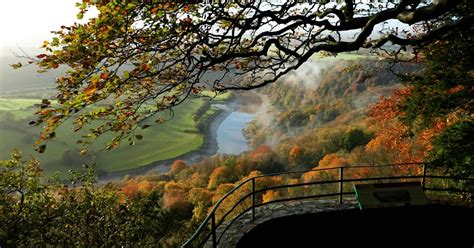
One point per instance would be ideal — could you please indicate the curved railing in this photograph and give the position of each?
(199, 238)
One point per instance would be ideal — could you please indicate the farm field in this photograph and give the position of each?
(171, 139)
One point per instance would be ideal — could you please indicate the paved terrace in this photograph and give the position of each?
(314, 223)
(265, 213)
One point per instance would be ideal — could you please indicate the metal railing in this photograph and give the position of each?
(199, 238)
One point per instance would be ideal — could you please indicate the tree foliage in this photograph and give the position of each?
(34, 213)
(138, 58)
(454, 147)
(444, 88)
(440, 100)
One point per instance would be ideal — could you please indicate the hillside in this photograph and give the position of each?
(335, 122)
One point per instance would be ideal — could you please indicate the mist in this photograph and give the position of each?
(24, 78)
(308, 74)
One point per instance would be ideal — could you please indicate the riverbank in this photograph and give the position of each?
(208, 148)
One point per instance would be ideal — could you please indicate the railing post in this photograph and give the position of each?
(213, 229)
(341, 184)
(253, 198)
(423, 178)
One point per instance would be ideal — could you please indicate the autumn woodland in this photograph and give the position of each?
(156, 76)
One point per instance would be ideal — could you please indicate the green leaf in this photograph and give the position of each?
(126, 74)
(80, 15)
(16, 66)
(55, 41)
(130, 6)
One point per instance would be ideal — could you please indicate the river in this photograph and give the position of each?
(223, 135)
(230, 139)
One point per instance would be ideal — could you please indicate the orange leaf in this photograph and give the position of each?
(104, 76)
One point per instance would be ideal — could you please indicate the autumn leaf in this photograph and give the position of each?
(104, 76)
(90, 90)
(146, 67)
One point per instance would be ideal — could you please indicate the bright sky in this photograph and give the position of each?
(27, 23)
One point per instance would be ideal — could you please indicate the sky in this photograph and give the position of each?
(27, 23)
(24, 25)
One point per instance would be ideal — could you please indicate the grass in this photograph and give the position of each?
(209, 113)
(161, 142)
(16, 104)
(20, 108)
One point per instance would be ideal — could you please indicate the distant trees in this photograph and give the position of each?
(354, 138)
(176, 167)
(220, 175)
(175, 199)
(392, 136)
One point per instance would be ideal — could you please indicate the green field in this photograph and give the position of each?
(20, 108)
(164, 141)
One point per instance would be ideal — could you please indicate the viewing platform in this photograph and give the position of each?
(402, 209)
(247, 228)
(433, 225)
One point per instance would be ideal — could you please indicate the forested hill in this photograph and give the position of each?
(340, 94)
(335, 121)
